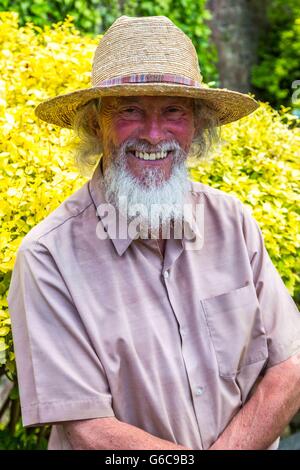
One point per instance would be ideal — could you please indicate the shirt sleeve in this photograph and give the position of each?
(279, 312)
(60, 375)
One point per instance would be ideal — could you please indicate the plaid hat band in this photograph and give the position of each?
(149, 78)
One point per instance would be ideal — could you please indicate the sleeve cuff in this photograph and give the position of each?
(53, 412)
(281, 352)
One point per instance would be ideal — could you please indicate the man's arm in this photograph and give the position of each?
(264, 417)
(112, 434)
(256, 426)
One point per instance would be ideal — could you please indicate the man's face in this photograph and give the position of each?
(149, 124)
(146, 141)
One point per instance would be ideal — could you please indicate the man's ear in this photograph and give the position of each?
(200, 124)
(94, 124)
(98, 131)
(197, 125)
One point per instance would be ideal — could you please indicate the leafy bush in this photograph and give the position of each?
(87, 14)
(279, 53)
(257, 162)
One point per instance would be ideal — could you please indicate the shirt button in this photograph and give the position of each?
(166, 274)
(199, 391)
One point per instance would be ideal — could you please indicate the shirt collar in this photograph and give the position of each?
(108, 219)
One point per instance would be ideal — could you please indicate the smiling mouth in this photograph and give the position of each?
(150, 155)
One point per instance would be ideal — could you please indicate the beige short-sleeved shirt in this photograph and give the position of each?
(172, 345)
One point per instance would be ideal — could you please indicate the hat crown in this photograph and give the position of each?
(144, 45)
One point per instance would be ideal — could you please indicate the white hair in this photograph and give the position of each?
(154, 202)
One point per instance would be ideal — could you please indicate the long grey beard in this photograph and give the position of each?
(155, 203)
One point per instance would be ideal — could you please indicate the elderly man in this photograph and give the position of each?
(178, 334)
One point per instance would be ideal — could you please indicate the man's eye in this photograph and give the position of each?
(174, 113)
(130, 113)
(130, 110)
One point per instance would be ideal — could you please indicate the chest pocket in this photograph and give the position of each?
(236, 329)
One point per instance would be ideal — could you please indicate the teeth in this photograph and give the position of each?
(151, 156)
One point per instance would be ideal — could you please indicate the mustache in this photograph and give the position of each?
(119, 156)
(141, 145)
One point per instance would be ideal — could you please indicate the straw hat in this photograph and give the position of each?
(146, 56)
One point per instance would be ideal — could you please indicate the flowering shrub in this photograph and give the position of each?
(257, 161)
(35, 176)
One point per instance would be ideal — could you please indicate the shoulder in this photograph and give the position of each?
(215, 199)
(61, 219)
(225, 214)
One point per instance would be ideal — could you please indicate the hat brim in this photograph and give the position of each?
(229, 105)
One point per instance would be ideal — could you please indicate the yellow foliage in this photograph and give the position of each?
(37, 173)
(257, 162)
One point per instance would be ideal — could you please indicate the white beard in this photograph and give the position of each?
(159, 202)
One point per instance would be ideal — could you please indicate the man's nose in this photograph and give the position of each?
(153, 130)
